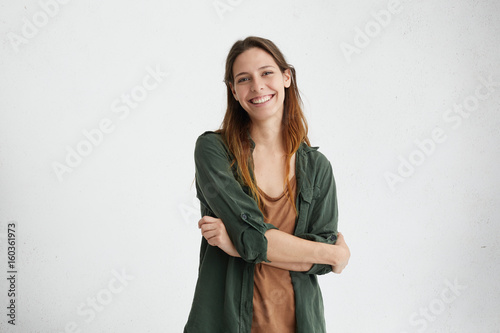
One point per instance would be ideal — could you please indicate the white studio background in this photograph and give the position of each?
(100, 189)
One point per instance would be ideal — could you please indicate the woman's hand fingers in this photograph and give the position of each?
(210, 234)
(340, 238)
(207, 219)
(345, 254)
(209, 226)
(213, 236)
(212, 229)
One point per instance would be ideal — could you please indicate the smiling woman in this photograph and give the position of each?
(260, 90)
(268, 205)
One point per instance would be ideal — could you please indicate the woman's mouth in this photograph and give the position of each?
(261, 99)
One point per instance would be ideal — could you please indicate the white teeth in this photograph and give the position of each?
(261, 100)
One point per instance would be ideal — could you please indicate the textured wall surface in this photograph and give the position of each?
(100, 106)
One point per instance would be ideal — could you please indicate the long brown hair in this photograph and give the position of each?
(236, 123)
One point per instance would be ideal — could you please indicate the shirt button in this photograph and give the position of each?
(244, 216)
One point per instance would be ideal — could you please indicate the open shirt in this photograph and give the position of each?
(223, 297)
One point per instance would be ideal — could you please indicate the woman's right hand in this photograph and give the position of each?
(342, 254)
(214, 231)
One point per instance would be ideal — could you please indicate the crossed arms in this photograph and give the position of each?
(284, 250)
(237, 225)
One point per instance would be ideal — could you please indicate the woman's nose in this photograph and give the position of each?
(257, 84)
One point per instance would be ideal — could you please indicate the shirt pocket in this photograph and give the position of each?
(305, 202)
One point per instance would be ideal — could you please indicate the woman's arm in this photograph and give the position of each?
(222, 196)
(285, 250)
(341, 253)
(215, 233)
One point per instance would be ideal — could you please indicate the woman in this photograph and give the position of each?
(268, 205)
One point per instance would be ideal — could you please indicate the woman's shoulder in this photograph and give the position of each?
(314, 156)
(210, 141)
(210, 136)
(317, 168)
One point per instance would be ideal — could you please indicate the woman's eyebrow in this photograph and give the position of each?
(257, 69)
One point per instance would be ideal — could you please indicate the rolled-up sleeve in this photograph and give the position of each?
(218, 189)
(323, 220)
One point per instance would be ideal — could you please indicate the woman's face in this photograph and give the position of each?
(259, 85)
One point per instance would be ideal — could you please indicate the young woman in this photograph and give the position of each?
(268, 204)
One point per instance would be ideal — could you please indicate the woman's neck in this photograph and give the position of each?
(267, 137)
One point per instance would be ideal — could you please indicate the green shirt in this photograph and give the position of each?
(223, 295)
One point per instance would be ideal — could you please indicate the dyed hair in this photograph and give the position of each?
(237, 122)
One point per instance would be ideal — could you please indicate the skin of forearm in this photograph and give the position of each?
(286, 248)
(291, 253)
(289, 266)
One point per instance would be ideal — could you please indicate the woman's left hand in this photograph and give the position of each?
(343, 254)
(215, 233)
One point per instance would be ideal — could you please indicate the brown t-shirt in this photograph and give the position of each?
(273, 296)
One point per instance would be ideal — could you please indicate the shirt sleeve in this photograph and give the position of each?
(324, 213)
(223, 194)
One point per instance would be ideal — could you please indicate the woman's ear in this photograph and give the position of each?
(233, 91)
(287, 78)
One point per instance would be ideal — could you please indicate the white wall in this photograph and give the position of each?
(425, 253)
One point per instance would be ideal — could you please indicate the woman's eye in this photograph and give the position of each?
(267, 73)
(242, 79)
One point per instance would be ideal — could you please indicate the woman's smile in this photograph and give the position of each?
(261, 100)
